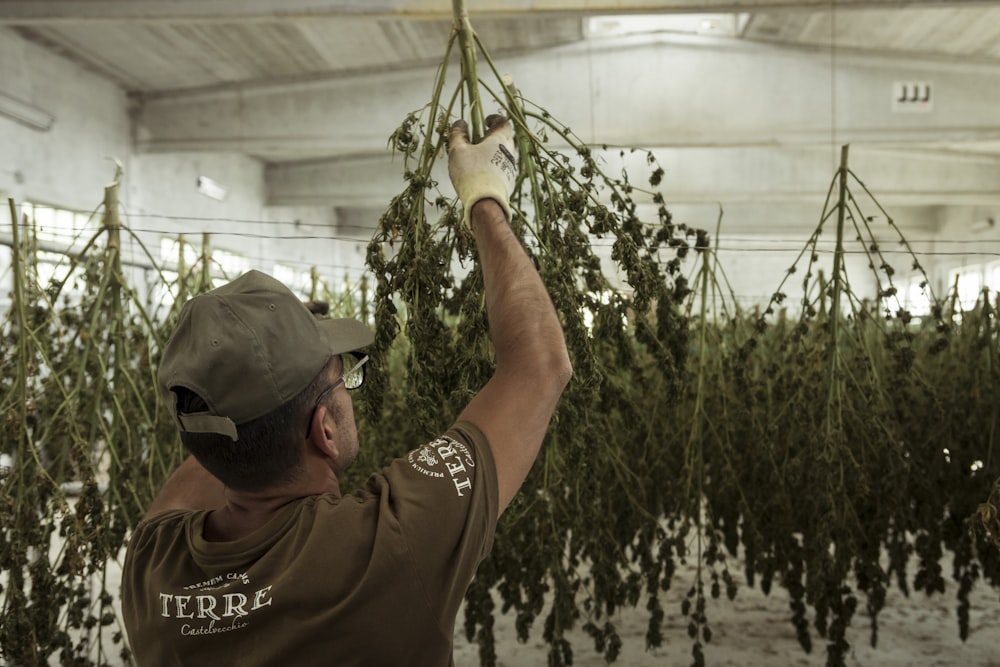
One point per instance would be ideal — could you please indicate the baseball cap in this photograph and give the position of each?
(247, 348)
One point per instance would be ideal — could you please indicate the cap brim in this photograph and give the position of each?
(346, 335)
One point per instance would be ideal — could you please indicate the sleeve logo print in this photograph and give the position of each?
(445, 458)
(427, 456)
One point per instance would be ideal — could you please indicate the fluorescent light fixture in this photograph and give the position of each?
(210, 188)
(983, 224)
(26, 114)
(721, 25)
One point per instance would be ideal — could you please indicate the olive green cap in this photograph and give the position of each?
(247, 348)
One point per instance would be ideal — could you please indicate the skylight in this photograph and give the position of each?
(719, 25)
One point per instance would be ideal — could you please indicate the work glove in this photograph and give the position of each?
(485, 170)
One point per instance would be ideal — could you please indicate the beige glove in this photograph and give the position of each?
(485, 170)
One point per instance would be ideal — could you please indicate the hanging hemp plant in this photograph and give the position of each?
(89, 443)
(842, 441)
(989, 515)
(432, 335)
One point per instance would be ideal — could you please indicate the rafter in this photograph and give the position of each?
(35, 12)
(694, 176)
(769, 96)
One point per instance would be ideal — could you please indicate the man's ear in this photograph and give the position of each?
(321, 434)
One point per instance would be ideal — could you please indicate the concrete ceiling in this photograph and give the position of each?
(746, 104)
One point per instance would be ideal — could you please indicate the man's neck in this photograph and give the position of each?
(234, 522)
(246, 511)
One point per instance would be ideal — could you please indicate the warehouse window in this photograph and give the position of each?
(992, 274)
(170, 252)
(59, 232)
(53, 267)
(916, 296)
(224, 265)
(296, 279)
(230, 264)
(967, 284)
(59, 226)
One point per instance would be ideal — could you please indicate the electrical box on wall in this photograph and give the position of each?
(912, 96)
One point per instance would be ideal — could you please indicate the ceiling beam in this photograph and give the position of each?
(688, 92)
(788, 224)
(693, 177)
(36, 12)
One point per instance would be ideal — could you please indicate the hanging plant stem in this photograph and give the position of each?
(429, 309)
(836, 289)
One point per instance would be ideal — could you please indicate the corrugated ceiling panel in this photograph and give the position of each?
(147, 57)
(962, 31)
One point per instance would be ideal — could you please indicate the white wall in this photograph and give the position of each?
(68, 166)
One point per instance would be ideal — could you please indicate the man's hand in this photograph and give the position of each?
(485, 170)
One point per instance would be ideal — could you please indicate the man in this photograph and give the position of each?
(250, 554)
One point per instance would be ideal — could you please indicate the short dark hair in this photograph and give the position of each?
(267, 452)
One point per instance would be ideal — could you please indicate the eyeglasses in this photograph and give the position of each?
(352, 378)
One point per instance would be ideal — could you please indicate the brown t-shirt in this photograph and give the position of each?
(374, 578)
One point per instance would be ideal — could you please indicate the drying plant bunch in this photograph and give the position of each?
(726, 455)
(560, 557)
(843, 450)
(89, 440)
(787, 443)
(836, 452)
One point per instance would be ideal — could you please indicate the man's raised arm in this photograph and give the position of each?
(515, 407)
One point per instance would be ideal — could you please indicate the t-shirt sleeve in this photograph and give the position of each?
(444, 496)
